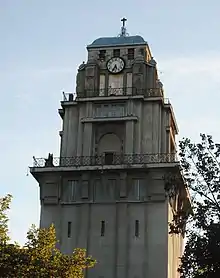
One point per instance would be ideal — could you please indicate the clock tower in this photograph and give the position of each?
(106, 191)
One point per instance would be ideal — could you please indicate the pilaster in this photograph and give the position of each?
(87, 139)
(129, 143)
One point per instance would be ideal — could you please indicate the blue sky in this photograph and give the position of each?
(44, 41)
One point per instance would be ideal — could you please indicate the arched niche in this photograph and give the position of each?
(109, 143)
(109, 147)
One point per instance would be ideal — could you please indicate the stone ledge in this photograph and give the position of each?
(102, 168)
(108, 119)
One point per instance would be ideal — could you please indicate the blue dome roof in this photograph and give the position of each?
(117, 41)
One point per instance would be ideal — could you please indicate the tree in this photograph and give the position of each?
(39, 257)
(4, 206)
(201, 168)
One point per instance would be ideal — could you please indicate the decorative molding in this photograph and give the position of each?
(110, 119)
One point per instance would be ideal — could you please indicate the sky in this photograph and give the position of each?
(42, 44)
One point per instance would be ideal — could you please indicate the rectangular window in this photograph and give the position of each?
(97, 111)
(116, 53)
(111, 189)
(102, 54)
(137, 189)
(72, 190)
(113, 111)
(115, 84)
(102, 228)
(102, 84)
(131, 54)
(69, 229)
(85, 190)
(136, 228)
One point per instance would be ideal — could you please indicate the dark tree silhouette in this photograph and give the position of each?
(200, 164)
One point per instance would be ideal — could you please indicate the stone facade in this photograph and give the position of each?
(106, 191)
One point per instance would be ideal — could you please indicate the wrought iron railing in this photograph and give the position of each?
(101, 160)
(126, 91)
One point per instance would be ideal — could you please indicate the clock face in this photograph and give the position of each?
(115, 65)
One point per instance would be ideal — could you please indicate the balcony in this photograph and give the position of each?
(107, 159)
(115, 92)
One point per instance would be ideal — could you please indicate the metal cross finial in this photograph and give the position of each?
(123, 28)
(123, 20)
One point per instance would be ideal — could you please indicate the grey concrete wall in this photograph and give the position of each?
(103, 247)
(79, 216)
(119, 253)
(51, 214)
(157, 240)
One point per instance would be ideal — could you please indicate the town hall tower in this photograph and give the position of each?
(106, 191)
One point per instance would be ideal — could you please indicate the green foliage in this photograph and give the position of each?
(201, 169)
(4, 206)
(39, 257)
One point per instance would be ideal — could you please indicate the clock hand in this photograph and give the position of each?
(115, 68)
